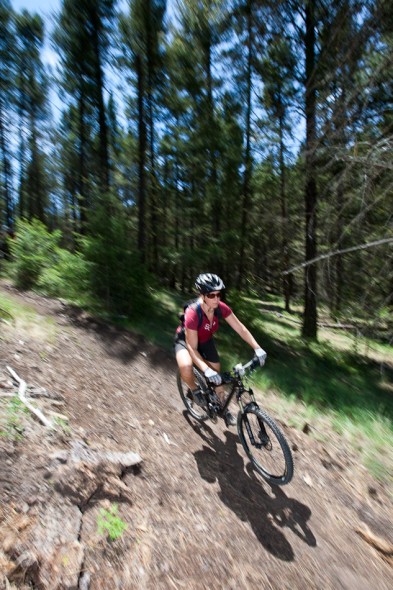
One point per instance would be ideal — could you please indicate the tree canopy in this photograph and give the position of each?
(243, 137)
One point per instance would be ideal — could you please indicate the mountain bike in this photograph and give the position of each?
(261, 438)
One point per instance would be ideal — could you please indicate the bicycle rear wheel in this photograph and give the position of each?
(265, 445)
(196, 411)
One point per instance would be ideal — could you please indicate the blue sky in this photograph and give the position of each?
(43, 7)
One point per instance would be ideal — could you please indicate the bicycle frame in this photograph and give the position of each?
(261, 438)
(237, 389)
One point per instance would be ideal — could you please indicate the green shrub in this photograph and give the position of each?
(39, 262)
(33, 250)
(118, 279)
(68, 277)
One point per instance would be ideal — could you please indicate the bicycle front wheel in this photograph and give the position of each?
(196, 411)
(265, 445)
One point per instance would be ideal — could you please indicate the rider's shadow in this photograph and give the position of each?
(244, 493)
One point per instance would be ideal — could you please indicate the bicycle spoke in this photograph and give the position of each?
(196, 411)
(266, 446)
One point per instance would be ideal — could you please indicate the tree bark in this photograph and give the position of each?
(287, 279)
(6, 170)
(82, 171)
(247, 156)
(150, 139)
(102, 123)
(309, 328)
(141, 161)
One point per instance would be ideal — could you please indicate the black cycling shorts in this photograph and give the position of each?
(207, 350)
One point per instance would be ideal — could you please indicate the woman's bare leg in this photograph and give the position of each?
(184, 362)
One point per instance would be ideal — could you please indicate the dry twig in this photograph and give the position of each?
(25, 401)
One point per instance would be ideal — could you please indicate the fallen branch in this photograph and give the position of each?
(338, 253)
(25, 401)
(382, 545)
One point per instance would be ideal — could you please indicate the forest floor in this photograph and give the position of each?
(192, 514)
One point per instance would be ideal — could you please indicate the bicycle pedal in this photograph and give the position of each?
(229, 419)
(199, 399)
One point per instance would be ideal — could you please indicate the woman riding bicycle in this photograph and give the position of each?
(194, 343)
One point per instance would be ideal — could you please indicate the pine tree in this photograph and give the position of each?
(82, 39)
(7, 41)
(140, 32)
(32, 105)
(278, 74)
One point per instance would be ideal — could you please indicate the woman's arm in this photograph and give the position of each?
(243, 332)
(192, 346)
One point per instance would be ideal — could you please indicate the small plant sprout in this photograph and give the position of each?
(109, 523)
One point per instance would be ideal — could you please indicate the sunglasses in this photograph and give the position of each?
(213, 295)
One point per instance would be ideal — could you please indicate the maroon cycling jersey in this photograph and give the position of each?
(205, 331)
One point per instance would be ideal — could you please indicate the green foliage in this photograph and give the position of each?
(206, 185)
(39, 262)
(107, 275)
(118, 280)
(5, 315)
(33, 250)
(63, 424)
(158, 324)
(67, 277)
(241, 306)
(109, 523)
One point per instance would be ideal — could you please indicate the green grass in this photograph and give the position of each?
(13, 309)
(159, 323)
(25, 318)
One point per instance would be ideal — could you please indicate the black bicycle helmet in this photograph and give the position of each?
(208, 282)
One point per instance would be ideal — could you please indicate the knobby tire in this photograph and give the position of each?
(270, 453)
(196, 411)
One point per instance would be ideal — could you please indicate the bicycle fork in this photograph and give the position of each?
(262, 434)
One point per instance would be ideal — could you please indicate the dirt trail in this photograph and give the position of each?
(197, 516)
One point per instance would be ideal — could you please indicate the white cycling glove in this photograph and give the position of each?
(261, 355)
(212, 376)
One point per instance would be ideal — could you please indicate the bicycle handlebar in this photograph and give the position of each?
(251, 365)
(240, 370)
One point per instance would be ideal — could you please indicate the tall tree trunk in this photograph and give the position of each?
(389, 297)
(287, 278)
(339, 263)
(141, 161)
(309, 328)
(242, 270)
(153, 184)
(102, 122)
(36, 205)
(22, 158)
(213, 188)
(82, 172)
(6, 170)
